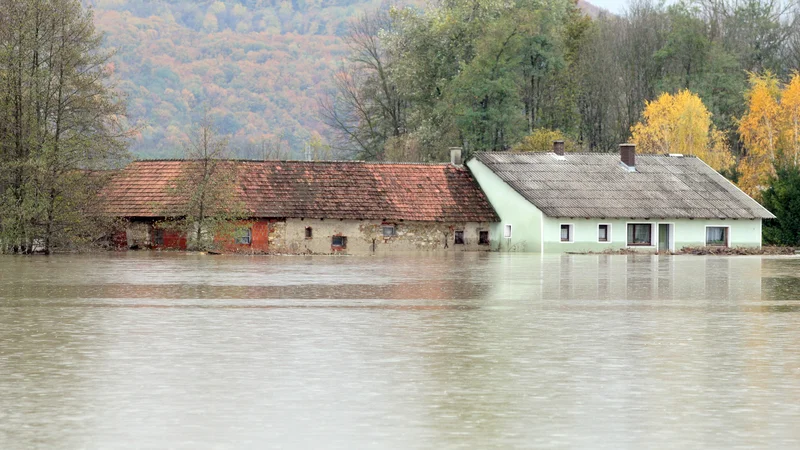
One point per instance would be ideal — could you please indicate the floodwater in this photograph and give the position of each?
(143, 350)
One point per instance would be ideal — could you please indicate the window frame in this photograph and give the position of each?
(456, 240)
(727, 236)
(309, 233)
(649, 244)
(570, 233)
(481, 241)
(608, 233)
(507, 231)
(343, 244)
(247, 239)
(386, 226)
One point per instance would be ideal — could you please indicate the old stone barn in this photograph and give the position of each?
(315, 207)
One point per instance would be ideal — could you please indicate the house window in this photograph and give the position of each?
(244, 237)
(158, 237)
(566, 232)
(717, 236)
(640, 234)
(389, 231)
(339, 241)
(507, 231)
(459, 237)
(309, 233)
(483, 238)
(603, 233)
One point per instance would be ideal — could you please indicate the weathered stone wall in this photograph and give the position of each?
(363, 237)
(366, 236)
(138, 234)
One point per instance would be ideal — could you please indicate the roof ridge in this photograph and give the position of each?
(610, 153)
(298, 161)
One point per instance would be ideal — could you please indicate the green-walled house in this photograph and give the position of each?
(593, 202)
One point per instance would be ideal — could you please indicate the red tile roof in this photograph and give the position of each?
(328, 190)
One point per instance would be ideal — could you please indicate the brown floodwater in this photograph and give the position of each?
(169, 350)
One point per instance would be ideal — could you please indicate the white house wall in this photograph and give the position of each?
(686, 233)
(534, 232)
(525, 218)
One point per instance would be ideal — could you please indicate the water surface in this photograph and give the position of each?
(169, 350)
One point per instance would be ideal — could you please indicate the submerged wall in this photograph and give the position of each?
(326, 236)
(532, 231)
(685, 233)
(367, 236)
(144, 234)
(525, 218)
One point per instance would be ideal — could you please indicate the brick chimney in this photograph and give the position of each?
(455, 156)
(627, 153)
(558, 148)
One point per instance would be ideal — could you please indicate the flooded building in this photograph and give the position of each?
(581, 202)
(317, 207)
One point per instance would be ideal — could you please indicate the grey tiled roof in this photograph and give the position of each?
(597, 185)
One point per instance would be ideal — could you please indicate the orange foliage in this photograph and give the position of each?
(770, 130)
(260, 74)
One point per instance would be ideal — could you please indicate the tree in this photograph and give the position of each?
(680, 123)
(473, 74)
(782, 198)
(365, 109)
(210, 210)
(790, 121)
(541, 140)
(60, 123)
(483, 74)
(759, 128)
(484, 97)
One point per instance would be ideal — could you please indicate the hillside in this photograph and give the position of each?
(256, 67)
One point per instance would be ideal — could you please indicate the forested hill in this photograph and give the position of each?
(256, 67)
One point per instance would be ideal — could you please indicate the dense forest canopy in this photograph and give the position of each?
(480, 74)
(483, 74)
(255, 67)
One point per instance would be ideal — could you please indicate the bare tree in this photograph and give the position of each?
(365, 108)
(792, 48)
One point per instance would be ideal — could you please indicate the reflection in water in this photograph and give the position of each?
(462, 351)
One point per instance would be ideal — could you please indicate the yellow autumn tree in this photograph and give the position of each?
(541, 140)
(759, 129)
(790, 121)
(681, 123)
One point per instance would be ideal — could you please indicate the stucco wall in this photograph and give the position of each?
(365, 235)
(525, 218)
(686, 233)
(533, 232)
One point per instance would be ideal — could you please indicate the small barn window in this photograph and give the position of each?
(309, 233)
(459, 237)
(603, 232)
(389, 231)
(244, 237)
(483, 237)
(339, 241)
(717, 236)
(566, 232)
(507, 231)
(640, 234)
